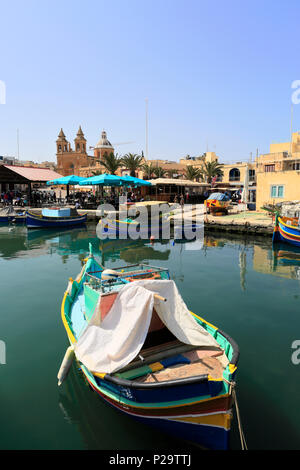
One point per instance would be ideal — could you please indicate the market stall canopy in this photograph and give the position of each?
(132, 180)
(103, 180)
(177, 182)
(26, 174)
(68, 180)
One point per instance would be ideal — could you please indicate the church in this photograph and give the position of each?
(77, 161)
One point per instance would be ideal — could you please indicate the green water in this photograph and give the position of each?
(235, 283)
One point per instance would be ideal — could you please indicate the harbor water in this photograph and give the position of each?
(239, 284)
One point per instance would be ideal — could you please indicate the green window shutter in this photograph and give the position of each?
(280, 191)
(273, 191)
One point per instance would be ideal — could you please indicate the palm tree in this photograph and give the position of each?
(159, 172)
(212, 169)
(97, 172)
(111, 162)
(132, 162)
(148, 170)
(193, 173)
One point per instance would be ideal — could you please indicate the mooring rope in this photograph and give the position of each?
(242, 435)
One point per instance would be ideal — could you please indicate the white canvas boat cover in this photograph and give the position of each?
(110, 345)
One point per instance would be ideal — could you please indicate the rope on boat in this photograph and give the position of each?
(234, 396)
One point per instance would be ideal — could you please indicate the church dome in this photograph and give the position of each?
(103, 142)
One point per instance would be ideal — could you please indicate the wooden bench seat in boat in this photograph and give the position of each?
(208, 365)
(181, 361)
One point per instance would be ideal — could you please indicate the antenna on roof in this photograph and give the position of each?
(146, 101)
(18, 145)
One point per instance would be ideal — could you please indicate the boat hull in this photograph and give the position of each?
(20, 220)
(122, 229)
(37, 221)
(286, 233)
(206, 423)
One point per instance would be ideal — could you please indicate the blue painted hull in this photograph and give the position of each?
(126, 230)
(286, 234)
(33, 221)
(13, 219)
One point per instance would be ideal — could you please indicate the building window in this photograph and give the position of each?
(251, 175)
(234, 174)
(296, 166)
(277, 191)
(269, 168)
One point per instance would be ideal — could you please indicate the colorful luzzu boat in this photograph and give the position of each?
(55, 218)
(287, 230)
(175, 386)
(10, 215)
(129, 228)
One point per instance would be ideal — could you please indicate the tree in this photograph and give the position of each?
(97, 172)
(193, 173)
(132, 162)
(148, 170)
(212, 169)
(111, 162)
(159, 172)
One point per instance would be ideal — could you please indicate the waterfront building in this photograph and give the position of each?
(278, 173)
(234, 173)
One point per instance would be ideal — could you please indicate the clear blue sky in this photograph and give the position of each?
(217, 74)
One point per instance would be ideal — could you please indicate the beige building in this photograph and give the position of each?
(234, 174)
(278, 173)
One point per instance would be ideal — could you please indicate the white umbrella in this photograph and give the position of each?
(245, 192)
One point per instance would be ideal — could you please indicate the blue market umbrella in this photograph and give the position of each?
(70, 180)
(103, 180)
(132, 180)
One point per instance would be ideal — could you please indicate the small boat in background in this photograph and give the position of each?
(287, 230)
(10, 215)
(217, 202)
(164, 365)
(55, 218)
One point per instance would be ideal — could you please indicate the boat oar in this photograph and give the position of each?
(65, 365)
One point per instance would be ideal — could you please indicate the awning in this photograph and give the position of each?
(25, 175)
(176, 182)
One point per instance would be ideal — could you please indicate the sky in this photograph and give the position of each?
(217, 75)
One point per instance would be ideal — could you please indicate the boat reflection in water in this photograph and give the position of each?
(286, 260)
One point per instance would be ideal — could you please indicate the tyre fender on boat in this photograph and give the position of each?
(108, 274)
(65, 365)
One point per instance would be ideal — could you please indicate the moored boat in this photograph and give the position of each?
(10, 215)
(55, 218)
(287, 230)
(154, 359)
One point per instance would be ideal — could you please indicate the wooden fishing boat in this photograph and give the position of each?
(287, 230)
(10, 215)
(55, 218)
(217, 202)
(170, 383)
(129, 227)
